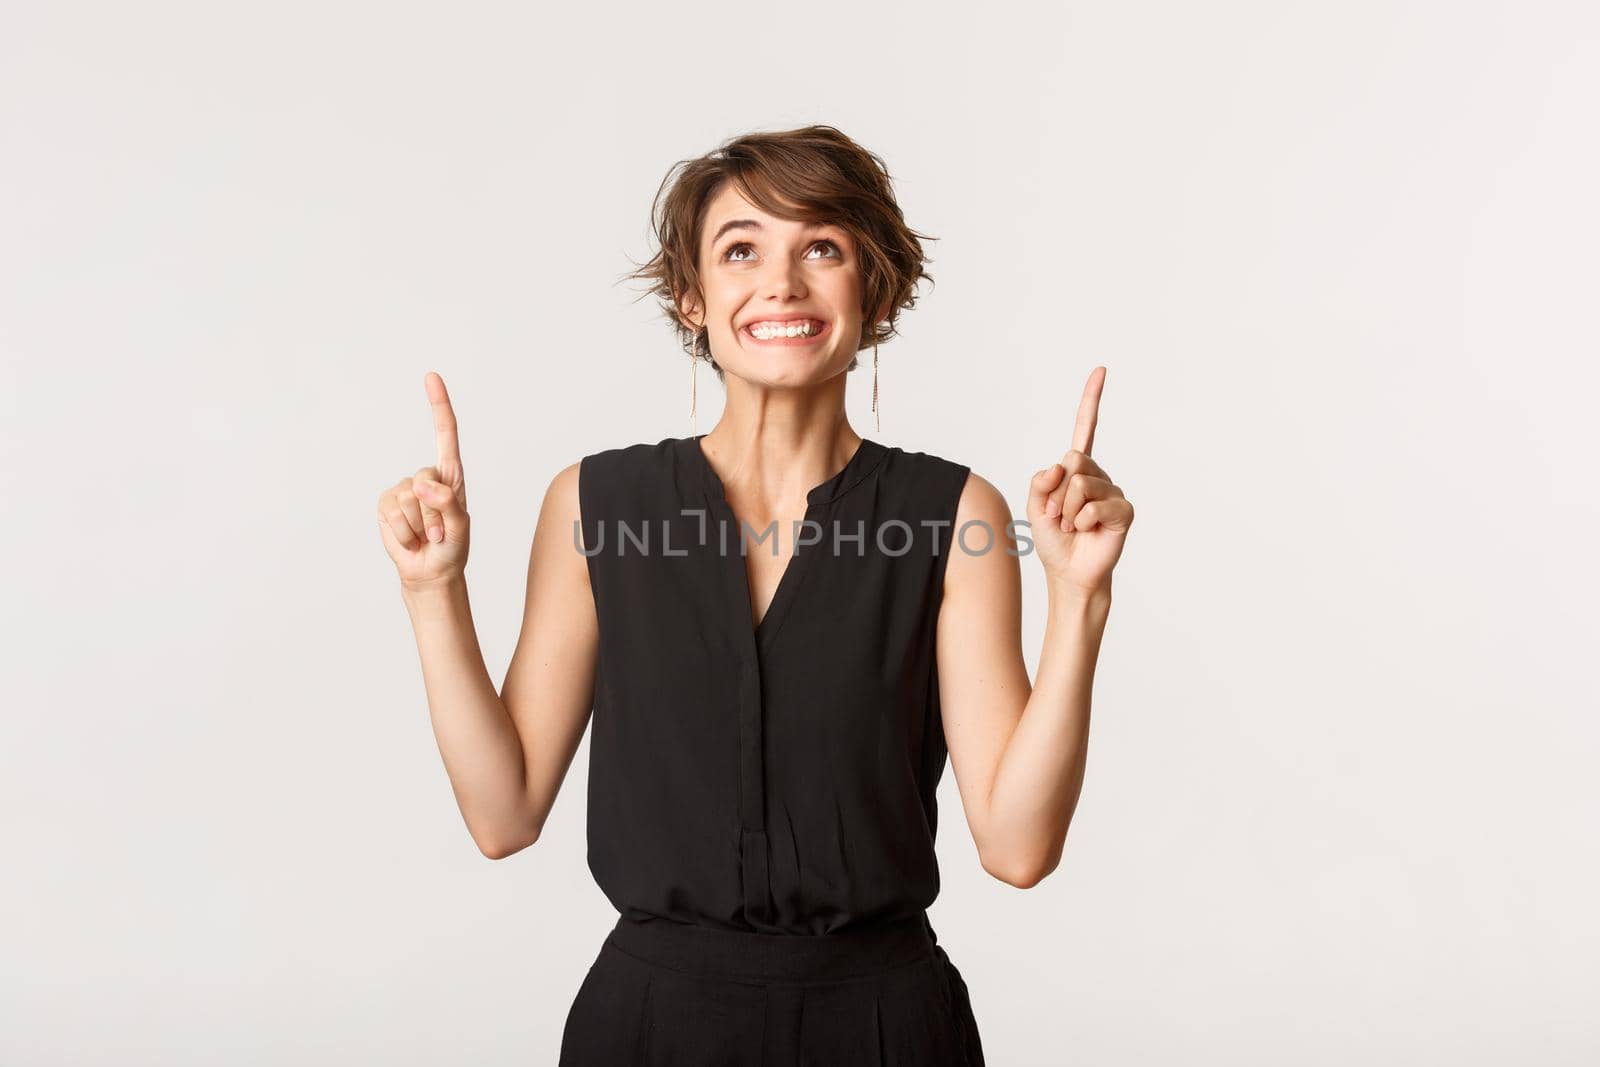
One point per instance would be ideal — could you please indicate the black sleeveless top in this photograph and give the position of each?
(777, 778)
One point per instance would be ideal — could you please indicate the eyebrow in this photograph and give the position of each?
(752, 224)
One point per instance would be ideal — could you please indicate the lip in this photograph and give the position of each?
(788, 341)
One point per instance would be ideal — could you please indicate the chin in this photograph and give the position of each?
(790, 370)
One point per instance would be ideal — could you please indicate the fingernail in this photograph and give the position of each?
(435, 534)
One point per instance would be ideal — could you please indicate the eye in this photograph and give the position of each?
(728, 253)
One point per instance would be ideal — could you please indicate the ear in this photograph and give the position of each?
(690, 309)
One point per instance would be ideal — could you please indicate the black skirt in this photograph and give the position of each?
(670, 994)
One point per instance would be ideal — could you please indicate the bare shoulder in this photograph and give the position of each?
(981, 500)
(983, 549)
(563, 488)
(560, 517)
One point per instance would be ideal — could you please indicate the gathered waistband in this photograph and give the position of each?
(715, 953)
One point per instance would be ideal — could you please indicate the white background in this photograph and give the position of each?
(1340, 262)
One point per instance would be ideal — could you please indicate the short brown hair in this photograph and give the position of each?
(811, 174)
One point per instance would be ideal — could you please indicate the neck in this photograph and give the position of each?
(773, 452)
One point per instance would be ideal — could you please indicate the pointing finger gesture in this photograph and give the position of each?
(1078, 515)
(444, 431)
(423, 517)
(1089, 411)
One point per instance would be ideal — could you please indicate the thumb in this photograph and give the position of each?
(1041, 485)
(445, 501)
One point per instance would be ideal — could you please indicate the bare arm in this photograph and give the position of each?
(1019, 749)
(549, 685)
(507, 753)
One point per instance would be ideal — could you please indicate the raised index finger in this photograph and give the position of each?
(444, 420)
(1088, 411)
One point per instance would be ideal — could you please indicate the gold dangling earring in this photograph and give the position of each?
(694, 378)
(877, 427)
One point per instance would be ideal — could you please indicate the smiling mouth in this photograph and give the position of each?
(785, 333)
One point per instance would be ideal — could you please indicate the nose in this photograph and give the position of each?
(784, 280)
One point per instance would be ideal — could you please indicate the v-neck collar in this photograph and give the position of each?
(866, 458)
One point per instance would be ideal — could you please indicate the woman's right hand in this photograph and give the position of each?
(423, 517)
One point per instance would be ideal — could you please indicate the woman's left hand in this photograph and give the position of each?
(1078, 516)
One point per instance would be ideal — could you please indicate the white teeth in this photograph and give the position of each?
(766, 331)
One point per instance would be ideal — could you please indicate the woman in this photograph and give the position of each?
(770, 724)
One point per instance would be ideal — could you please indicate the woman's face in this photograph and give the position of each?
(764, 277)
